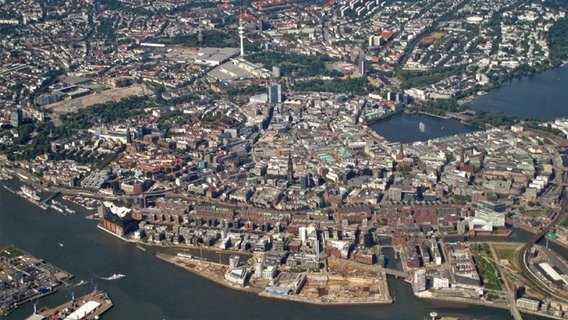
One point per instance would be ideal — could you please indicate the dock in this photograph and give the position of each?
(39, 204)
(51, 197)
(90, 306)
(44, 277)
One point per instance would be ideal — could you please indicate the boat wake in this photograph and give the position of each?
(115, 276)
(82, 282)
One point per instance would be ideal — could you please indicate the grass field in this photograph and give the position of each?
(437, 35)
(487, 273)
(98, 87)
(506, 252)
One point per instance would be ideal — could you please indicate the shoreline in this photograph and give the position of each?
(32, 201)
(140, 245)
(169, 259)
(485, 304)
(61, 277)
(221, 281)
(262, 293)
(445, 117)
(101, 297)
(387, 117)
(297, 299)
(257, 290)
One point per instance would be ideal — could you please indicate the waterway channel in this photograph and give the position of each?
(153, 289)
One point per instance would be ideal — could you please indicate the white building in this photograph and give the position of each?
(440, 283)
(486, 220)
(529, 304)
(420, 280)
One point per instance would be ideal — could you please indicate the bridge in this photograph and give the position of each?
(52, 196)
(396, 273)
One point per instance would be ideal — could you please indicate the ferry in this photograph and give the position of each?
(115, 276)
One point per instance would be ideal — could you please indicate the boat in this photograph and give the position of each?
(53, 206)
(29, 193)
(82, 282)
(71, 211)
(115, 276)
(422, 127)
(61, 244)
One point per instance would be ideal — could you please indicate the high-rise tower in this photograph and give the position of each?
(275, 93)
(242, 35)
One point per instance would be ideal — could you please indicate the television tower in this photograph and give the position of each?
(242, 34)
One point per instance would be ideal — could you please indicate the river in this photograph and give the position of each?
(153, 289)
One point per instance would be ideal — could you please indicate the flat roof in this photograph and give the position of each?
(550, 271)
(83, 310)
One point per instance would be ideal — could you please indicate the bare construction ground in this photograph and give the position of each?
(70, 106)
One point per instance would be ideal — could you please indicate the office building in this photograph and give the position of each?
(275, 93)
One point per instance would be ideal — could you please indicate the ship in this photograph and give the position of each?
(53, 206)
(115, 276)
(68, 210)
(422, 127)
(29, 193)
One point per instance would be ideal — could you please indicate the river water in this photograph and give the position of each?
(153, 289)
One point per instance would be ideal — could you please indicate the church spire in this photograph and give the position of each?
(290, 168)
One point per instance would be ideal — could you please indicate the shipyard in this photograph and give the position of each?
(25, 278)
(88, 307)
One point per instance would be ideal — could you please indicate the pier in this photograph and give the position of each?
(39, 204)
(51, 196)
(90, 306)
